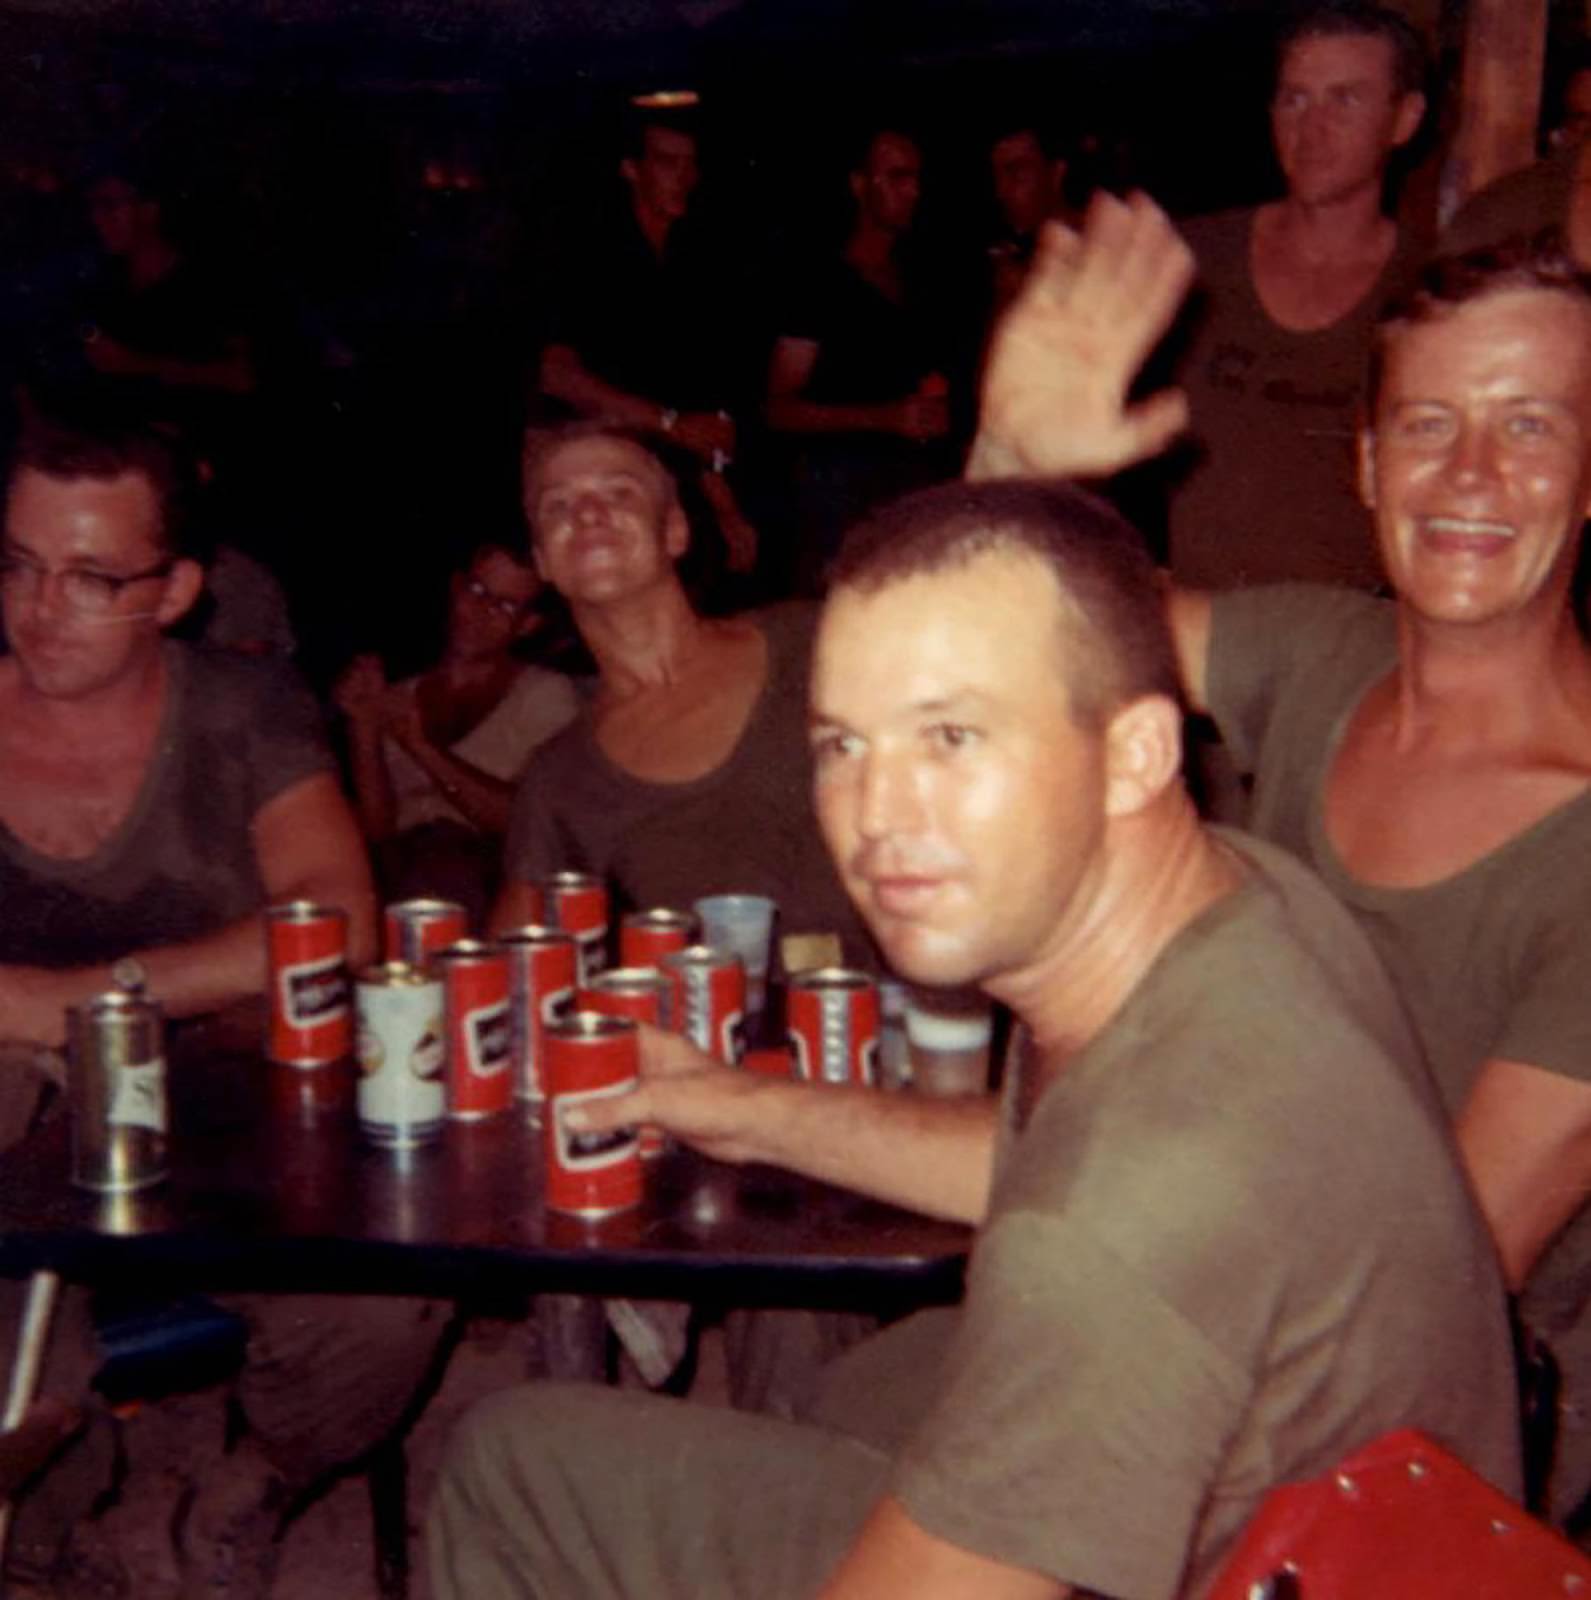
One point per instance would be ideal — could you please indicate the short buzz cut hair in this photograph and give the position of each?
(1112, 609)
(541, 443)
(105, 446)
(1359, 19)
(1525, 261)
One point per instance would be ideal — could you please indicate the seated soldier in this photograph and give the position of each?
(435, 757)
(1429, 756)
(153, 798)
(685, 776)
(1225, 1242)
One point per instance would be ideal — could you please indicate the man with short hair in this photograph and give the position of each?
(1028, 176)
(1430, 757)
(154, 797)
(1291, 290)
(858, 376)
(688, 775)
(648, 327)
(1224, 1243)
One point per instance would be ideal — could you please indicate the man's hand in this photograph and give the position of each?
(921, 417)
(401, 717)
(1064, 356)
(740, 538)
(361, 690)
(685, 1092)
(705, 433)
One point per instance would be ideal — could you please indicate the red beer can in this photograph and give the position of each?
(710, 1000)
(417, 929)
(577, 902)
(832, 1015)
(479, 1029)
(641, 993)
(645, 937)
(590, 1057)
(644, 995)
(307, 953)
(541, 989)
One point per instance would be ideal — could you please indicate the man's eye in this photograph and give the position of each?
(828, 747)
(951, 735)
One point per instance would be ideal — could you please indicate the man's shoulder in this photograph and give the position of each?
(1302, 621)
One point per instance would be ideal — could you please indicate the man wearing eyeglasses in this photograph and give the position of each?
(153, 798)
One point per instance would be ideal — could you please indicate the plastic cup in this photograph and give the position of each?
(743, 925)
(949, 1051)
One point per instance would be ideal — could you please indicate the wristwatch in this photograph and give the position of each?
(129, 974)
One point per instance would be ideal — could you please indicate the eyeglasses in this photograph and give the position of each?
(512, 609)
(82, 588)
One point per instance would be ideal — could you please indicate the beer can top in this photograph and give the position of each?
(303, 911)
(830, 978)
(536, 933)
(659, 917)
(467, 950)
(571, 880)
(394, 974)
(626, 980)
(117, 1003)
(589, 1025)
(425, 906)
(702, 955)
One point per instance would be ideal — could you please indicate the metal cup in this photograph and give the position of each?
(116, 1086)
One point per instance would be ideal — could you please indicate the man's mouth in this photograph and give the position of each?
(1466, 535)
(902, 894)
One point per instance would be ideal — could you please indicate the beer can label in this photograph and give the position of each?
(313, 992)
(585, 1153)
(138, 1096)
(488, 1032)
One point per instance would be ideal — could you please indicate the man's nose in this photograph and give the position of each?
(888, 802)
(1473, 458)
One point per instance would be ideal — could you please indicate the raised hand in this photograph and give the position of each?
(1063, 357)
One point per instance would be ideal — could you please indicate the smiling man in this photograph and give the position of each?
(1224, 1243)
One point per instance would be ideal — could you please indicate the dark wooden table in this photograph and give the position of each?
(273, 1188)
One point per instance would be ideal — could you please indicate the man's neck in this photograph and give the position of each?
(1498, 684)
(1169, 870)
(1347, 229)
(149, 262)
(644, 641)
(655, 227)
(105, 715)
(871, 249)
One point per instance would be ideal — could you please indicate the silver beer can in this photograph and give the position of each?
(401, 1095)
(116, 1086)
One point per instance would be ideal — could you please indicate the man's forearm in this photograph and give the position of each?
(486, 801)
(933, 1156)
(566, 377)
(792, 414)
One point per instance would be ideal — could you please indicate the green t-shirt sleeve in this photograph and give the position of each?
(1278, 645)
(1081, 1420)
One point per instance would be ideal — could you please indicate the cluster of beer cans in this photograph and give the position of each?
(450, 1026)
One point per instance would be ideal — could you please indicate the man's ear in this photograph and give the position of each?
(1143, 753)
(1410, 114)
(1366, 453)
(184, 585)
(676, 532)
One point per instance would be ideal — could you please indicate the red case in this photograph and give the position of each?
(1401, 1518)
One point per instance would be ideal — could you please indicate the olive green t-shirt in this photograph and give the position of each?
(1230, 1245)
(1494, 961)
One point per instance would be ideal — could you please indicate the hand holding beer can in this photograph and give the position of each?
(590, 1058)
(642, 994)
(116, 1087)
